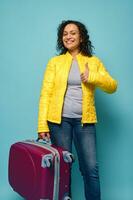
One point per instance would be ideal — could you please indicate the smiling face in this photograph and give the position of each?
(71, 38)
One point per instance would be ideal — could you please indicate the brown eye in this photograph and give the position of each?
(64, 34)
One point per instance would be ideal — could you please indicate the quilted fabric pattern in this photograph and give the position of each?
(55, 84)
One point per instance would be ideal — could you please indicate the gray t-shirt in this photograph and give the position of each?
(72, 107)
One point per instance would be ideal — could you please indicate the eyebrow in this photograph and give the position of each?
(70, 31)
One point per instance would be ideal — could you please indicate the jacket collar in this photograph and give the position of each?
(79, 55)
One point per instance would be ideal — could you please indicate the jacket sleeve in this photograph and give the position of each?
(45, 96)
(102, 79)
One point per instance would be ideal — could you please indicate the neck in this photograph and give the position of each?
(74, 53)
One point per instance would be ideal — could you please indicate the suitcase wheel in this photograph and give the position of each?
(68, 157)
(67, 198)
(47, 161)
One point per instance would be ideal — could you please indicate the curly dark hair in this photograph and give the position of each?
(86, 47)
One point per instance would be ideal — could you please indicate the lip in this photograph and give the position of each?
(69, 42)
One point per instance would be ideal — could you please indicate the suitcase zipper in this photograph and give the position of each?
(56, 168)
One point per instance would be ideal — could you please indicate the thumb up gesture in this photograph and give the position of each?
(84, 76)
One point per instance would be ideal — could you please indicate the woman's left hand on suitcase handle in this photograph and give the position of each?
(44, 135)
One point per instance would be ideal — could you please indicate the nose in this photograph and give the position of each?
(68, 36)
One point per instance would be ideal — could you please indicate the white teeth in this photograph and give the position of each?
(69, 42)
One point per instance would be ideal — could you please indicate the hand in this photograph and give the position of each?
(84, 76)
(44, 135)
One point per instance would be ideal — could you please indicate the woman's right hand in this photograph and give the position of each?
(44, 135)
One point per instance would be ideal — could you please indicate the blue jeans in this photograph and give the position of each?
(84, 138)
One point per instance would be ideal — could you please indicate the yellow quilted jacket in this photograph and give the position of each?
(55, 84)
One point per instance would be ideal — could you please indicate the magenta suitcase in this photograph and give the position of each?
(39, 171)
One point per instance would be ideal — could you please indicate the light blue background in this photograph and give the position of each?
(27, 41)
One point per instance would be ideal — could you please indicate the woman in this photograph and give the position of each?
(66, 109)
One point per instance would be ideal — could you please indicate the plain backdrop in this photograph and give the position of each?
(27, 41)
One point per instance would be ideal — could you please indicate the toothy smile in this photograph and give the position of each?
(69, 41)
